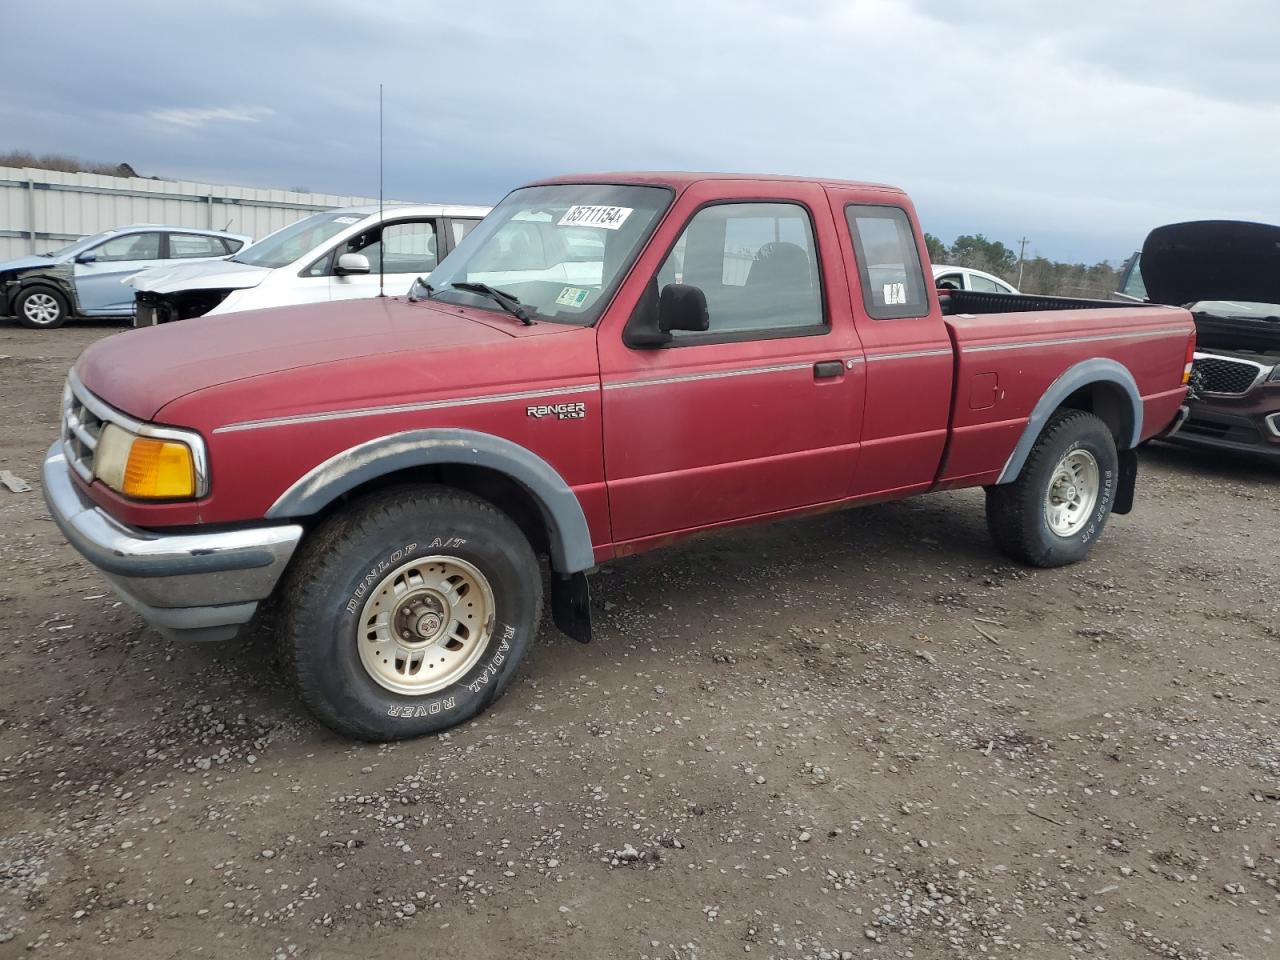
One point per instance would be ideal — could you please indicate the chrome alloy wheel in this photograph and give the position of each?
(40, 308)
(1073, 493)
(425, 625)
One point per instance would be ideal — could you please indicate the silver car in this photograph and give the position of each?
(84, 279)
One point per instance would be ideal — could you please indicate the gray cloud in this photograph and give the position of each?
(1081, 129)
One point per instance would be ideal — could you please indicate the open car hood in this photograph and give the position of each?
(1212, 260)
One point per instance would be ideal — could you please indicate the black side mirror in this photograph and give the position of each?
(682, 306)
(86, 258)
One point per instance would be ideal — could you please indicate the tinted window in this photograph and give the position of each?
(888, 262)
(756, 263)
(194, 245)
(232, 245)
(132, 246)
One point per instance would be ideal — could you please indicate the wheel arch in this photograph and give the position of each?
(512, 477)
(1099, 385)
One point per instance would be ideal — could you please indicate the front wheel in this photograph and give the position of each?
(41, 308)
(409, 612)
(1055, 511)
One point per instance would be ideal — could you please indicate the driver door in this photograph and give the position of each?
(99, 271)
(408, 251)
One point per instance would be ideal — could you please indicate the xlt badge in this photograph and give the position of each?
(561, 411)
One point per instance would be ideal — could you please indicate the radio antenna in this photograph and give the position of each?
(381, 245)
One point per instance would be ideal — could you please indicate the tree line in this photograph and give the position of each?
(1040, 275)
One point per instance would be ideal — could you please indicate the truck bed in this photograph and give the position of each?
(980, 302)
(1009, 355)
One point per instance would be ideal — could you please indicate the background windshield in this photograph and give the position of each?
(296, 240)
(73, 248)
(561, 250)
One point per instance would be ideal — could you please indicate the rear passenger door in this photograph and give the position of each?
(908, 350)
(760, 413)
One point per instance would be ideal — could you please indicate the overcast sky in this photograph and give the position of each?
(1080, 125)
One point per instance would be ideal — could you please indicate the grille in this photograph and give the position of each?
(1226, 375)
(81, 428)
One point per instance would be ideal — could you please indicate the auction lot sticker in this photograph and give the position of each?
(608, 218)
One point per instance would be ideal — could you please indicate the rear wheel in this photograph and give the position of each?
(1055, 511)
(409, 612)
(41, 308)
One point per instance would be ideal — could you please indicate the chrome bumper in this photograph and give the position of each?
(192, 586)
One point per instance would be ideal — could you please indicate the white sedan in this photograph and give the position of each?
(333, 255)
(966, 278)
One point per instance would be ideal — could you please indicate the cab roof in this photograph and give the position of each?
(679, 180)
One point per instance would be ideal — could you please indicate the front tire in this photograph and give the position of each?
(41, 308)
(409, 612)
(1054, 512)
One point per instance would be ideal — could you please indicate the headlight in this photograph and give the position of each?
(148, 468)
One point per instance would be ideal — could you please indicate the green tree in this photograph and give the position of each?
(938, 252)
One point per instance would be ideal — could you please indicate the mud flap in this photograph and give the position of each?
(571, 605)
(1128, 481)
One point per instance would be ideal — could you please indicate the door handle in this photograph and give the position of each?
(824, 369)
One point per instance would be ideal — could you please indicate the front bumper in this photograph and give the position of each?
(190, 586)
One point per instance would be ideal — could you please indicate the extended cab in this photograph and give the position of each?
(606, 364)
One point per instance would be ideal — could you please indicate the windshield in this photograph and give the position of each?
(559, 250)
(73, 248)
(296, 240)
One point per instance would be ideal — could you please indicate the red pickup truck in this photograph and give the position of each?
(606, 364)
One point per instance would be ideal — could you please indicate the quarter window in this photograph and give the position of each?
(755, 262)
(194, 245)
(888, 262)
(133, 246)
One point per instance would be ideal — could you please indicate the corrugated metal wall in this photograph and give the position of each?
(42, 209)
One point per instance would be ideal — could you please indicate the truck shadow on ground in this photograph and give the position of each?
(832, 562)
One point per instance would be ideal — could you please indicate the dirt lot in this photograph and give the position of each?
(861, 735)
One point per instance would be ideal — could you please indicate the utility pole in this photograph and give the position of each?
(1022, 250)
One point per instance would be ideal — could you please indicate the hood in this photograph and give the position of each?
(1212, 260)
(206, 275)
(140, 371)
(22, 264)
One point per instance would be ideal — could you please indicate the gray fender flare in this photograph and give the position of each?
(1083, 374)
(567, 529)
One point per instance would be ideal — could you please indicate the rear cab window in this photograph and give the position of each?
(889, 269)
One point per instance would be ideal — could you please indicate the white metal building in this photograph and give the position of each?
(43, 209)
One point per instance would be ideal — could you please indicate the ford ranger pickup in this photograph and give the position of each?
(605, 365)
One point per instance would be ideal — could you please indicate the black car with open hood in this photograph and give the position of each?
(1227, 272)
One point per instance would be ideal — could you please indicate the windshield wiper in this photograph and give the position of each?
(500, 297)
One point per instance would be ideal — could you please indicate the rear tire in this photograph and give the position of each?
(41, 308)
(409, 612)
(1054, 512)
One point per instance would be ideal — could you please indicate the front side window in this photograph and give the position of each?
(194, 245)
(560, 250)
(408, 247)
(888, 262)
(756, 263)
(132, 246)
(296, 240)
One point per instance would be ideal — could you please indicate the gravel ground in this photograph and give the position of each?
(859, 735)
